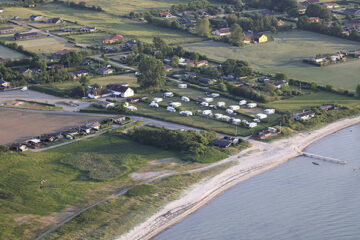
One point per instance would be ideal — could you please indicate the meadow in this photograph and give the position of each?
(45, 45)
(108, 22)
(26, 205)
(285, 54)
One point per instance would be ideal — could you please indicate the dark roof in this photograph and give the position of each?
(224, 143)
(25, 34)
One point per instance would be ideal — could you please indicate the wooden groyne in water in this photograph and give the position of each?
(328, 159)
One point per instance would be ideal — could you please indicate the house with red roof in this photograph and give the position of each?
(314, 19)
(165, 15)
(113, 39)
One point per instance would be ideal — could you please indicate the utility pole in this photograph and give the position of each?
(280, 126)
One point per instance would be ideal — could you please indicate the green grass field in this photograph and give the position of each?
(107, 22)
(128, 78)
(313, 99)
(8, 53)
(45, 45)
(90, 38)
(24, 201)
(285, 54)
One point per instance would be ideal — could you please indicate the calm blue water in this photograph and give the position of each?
(296, 200)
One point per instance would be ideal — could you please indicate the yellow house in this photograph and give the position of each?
(260, 38)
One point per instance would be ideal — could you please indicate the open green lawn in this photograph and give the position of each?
(89, 38)
(124, 7)
(8, 53)
(313, 99)
(123, 78)
(111, 23)
(285, 54)
(72, 172)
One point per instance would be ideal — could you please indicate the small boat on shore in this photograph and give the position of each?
(315, 163)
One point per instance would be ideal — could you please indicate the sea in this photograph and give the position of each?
(297, 200)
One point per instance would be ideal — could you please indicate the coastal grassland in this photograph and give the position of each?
(8, 53)
(110, 23)
(26, 205)
(119, 215)
(313, 99)
(285, 54)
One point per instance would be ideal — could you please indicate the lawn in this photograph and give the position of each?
(90, 38)
(285, 54)
(8, 53)
(107, 22)
(25, 204)
(313, 99)
(123, 78)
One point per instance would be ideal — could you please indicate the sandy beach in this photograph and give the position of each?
(267, 156)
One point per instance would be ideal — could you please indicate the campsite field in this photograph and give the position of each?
(285, 54)
(105, 21)
(27, 206)
(8, 53)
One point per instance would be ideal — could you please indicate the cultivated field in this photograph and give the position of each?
(21, 125)
(108, 22)
(7, 53)
(285, 54)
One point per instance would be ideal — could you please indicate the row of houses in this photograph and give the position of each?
(70, 134)
(248, 37)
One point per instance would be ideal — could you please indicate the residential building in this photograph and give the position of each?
(165, 15)
(36, 18)
(55, 20)
(305, 115)
(105, 104)
(88, 29)
(78, 74)
(4, 84)
(280, 84)
(314, 19)
(114, 39)
(255, 38)
(105, 71)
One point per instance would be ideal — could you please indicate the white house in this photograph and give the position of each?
(185, 99)
(242, 102)
(269, 111)
(234, 107)
(168, 94)
(131, 108)
(154, 104)
(127, 92)
(204, 104)
(207, 112)
(251, 105)
(175, 104)
(221, 104)
(218, 116)
(170, 109)
(261, 116)
(182, 85)
(186, 113)
(222, 32)
(157, 100)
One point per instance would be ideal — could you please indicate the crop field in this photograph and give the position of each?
(107, 22)
(105, 160)
(313, 99)
(285, 54)
(8, 53)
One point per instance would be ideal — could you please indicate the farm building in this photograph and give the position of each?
(222, 32)
(25, 36)
(7, 30)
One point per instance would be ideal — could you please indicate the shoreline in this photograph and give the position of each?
(270, 155)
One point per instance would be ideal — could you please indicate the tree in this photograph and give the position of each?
(174, 61)
(236, 37)
(203, 27)
(358, 90)
(84, 81)
(152, 72)
(281, 76)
